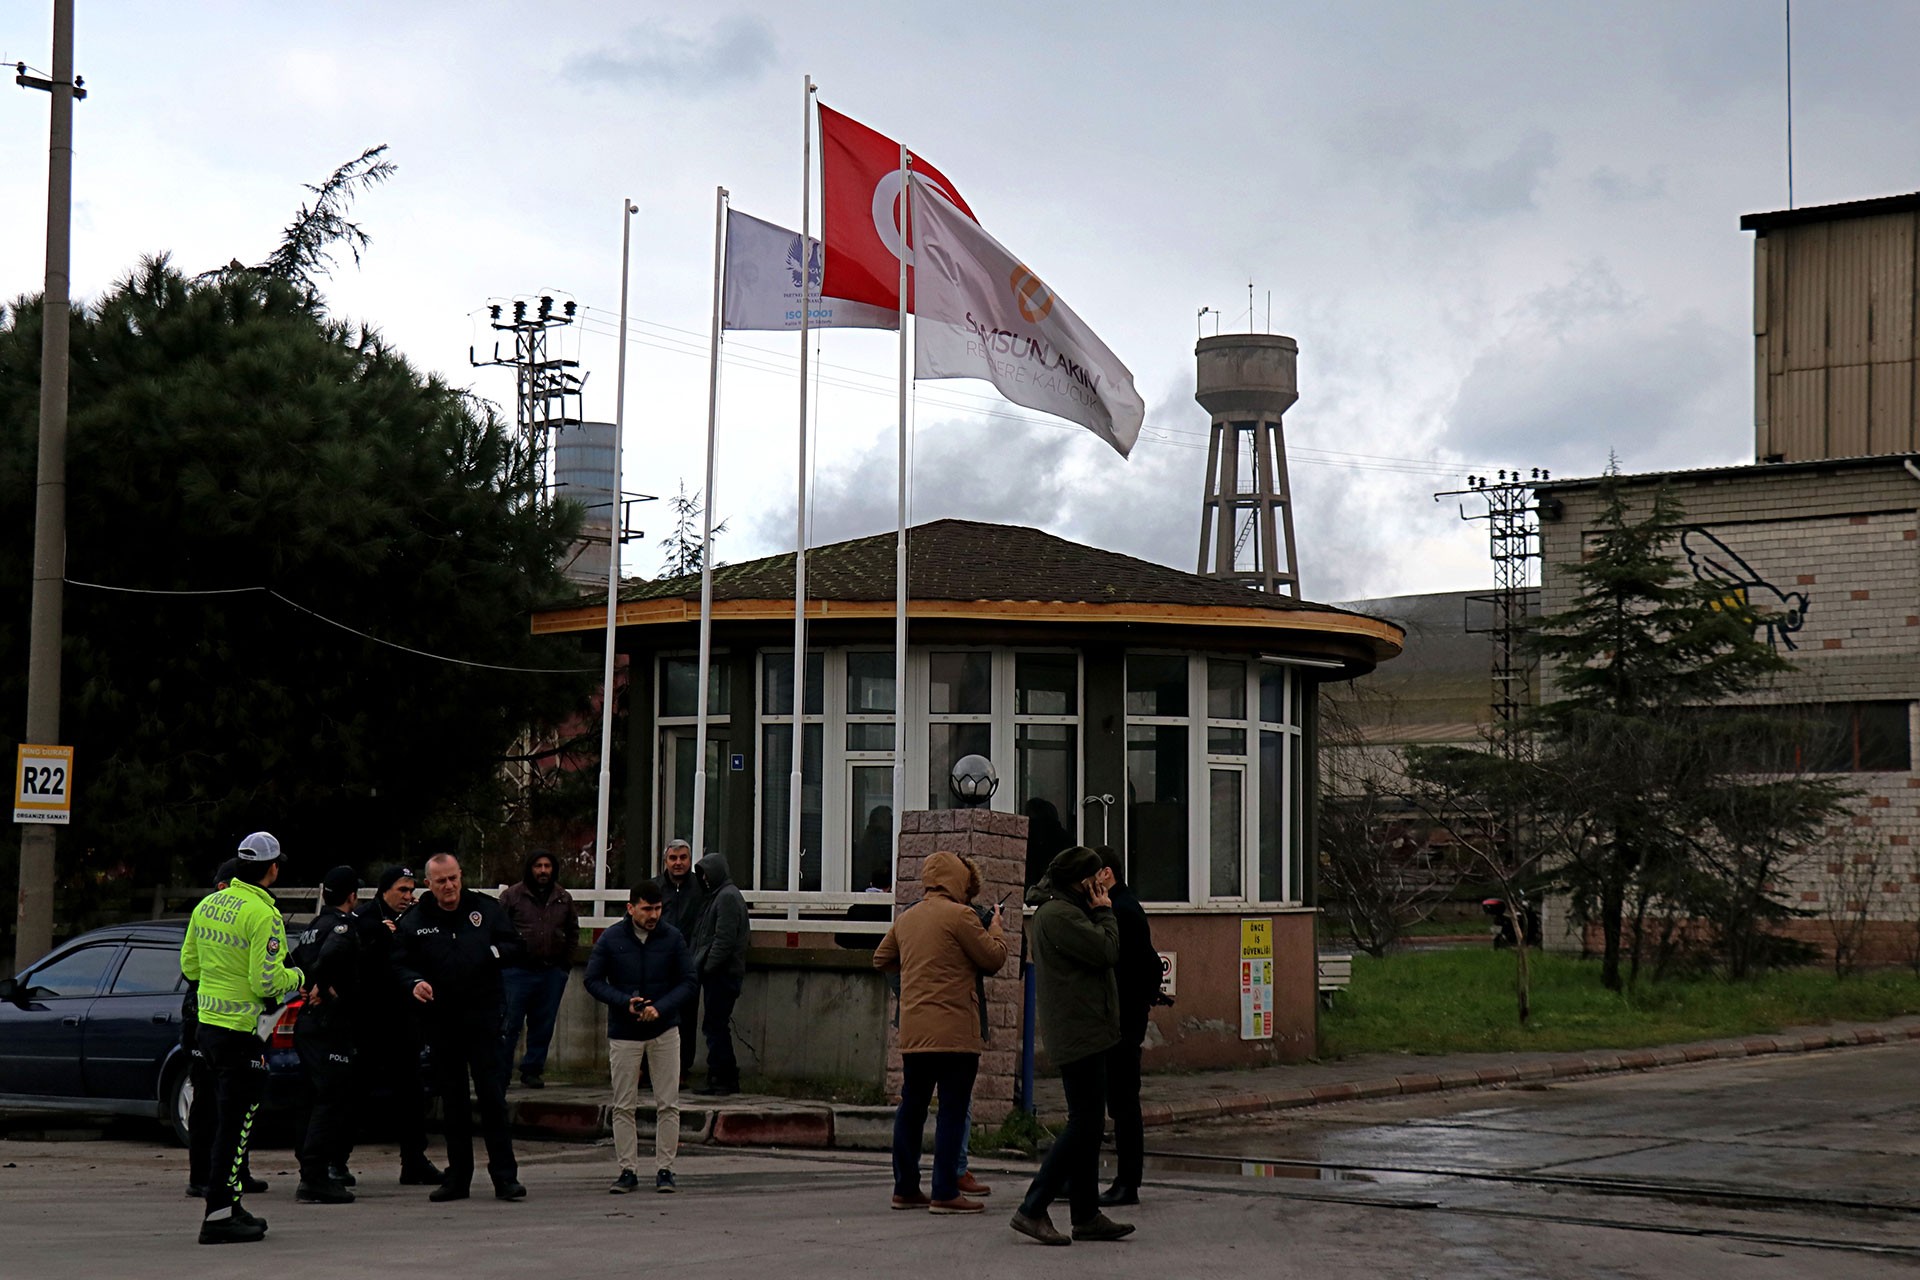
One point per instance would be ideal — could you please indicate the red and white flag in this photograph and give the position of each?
(860, 197)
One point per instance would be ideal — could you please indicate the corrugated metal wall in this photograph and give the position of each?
(1835, 339)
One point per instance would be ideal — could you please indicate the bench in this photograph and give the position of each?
(1336, 971)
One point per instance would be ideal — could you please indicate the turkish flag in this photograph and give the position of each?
(860, 197)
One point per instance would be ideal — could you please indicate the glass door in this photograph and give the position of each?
(870, 819)
(676, 757)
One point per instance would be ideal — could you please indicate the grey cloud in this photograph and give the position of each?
(1509, 184)
(1621, 188)
(734, 50)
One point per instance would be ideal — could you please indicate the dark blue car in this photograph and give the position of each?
(94, 1027)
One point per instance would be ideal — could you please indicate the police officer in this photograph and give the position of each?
(328, 954)
(235, 950)
(200, 1115)
(386, 1026)
(453, 944)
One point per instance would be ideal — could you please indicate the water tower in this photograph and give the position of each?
(1245, 383)
(583, 461)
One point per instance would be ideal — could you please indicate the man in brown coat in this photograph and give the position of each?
(939, 948)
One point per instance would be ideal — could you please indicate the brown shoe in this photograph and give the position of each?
(959, 1204)
(972, 1186)
(915, 1201)
(1040, 1228)
(1101, 1227)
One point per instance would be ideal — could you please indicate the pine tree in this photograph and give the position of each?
(683, 550)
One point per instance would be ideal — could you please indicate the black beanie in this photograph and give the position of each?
(228, 870)
(1070, 866)
(339, 885)
(393, 875)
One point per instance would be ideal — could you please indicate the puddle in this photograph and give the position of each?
(1298, 1171)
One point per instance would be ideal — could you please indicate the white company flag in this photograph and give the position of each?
(763, 283)
(983, 314)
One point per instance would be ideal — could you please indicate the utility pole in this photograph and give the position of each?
(33, 932)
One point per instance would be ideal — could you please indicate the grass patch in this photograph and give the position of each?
(852, 1092)
(1018, 1132)
(1462, 1001)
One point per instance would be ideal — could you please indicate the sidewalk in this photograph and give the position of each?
(579, 1113)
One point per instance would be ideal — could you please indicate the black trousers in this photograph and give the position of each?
(325, 1046)
(391, 1085)
(952, 1075)
(1073, 1163)
(720, 993)
(463, 1048)
(238, 1066)
(689, 1032)
(1123, 1104)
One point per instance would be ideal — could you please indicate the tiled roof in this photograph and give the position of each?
(969, 560)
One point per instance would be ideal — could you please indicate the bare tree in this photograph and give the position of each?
(1855, 867)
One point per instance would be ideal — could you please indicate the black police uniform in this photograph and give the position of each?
(460, 953)
(327, 952)
(386, 1028)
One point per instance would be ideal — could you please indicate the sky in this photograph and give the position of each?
(1504, 235)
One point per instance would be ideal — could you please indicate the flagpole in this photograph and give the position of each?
(795, 778)
(698, 838)
(900, 543)
(627, 209)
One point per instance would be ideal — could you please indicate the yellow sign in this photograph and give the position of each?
(1256, 979)
(43, 784)
(1256, 939)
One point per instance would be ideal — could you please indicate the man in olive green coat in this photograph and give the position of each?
(1075, 942)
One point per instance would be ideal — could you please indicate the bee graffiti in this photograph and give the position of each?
(1744, 592)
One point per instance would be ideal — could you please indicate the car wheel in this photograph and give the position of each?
(176, 1103)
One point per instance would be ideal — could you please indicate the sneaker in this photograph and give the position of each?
(959, 1204)
(423, 1174)
(972, 1186)
(512, 1190)
(322, 1193)
(1101, 1227)
(917, 1200)
(450, 1191)
(1037, 1228)
(250, 1185)
(233, 1230)
(627, 1181)
(533, 1080)
(341, 1174)
(663, 1182)
(1120, 1193)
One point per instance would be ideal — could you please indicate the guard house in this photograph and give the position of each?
(1168, 714)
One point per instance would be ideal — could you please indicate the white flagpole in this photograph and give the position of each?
(698, 838)
(795, 778)
(900, 544)
(627, 209)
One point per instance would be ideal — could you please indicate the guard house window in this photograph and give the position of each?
(1226, 778)
(1158, 786)
(1279, 812)
(776, 769)
(678, 722)
(1046, 728)
(959, 716)
(869, 736)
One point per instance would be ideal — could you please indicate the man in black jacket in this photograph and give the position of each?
(682, 900)
(387, 1030)
(643, 972)
(1137, 977)
(328, 952)
(720, 958)
(452, 946)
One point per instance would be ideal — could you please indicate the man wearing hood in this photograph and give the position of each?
(720, 958)
(940, 949)
(544, 916)
(1074, 940)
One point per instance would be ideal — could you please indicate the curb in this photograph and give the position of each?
(870, 1128)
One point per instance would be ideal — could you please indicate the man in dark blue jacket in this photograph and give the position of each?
(642, 971)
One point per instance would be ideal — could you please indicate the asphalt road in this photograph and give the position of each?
(1768, 1167)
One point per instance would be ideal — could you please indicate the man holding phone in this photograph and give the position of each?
(643, 972)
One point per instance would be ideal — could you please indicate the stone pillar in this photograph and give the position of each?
(998, 843)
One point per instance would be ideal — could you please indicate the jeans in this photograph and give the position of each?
(1123, 1104)
(952, 1074)
(719, 992)
(1073, 1163)
(662, 1055)
(461, 1048)
(239, 1067)
(532, 995)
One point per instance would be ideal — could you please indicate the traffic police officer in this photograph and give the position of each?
(328, 953)
(387, 1027)
(200, 1115)
(452, 946)
(235, 950)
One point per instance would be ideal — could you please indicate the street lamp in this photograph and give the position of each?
(974, 781)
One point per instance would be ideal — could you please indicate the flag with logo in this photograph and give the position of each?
(860, 196)
(983, 314)
(762, 289)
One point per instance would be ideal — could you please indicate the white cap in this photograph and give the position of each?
(259, 847)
